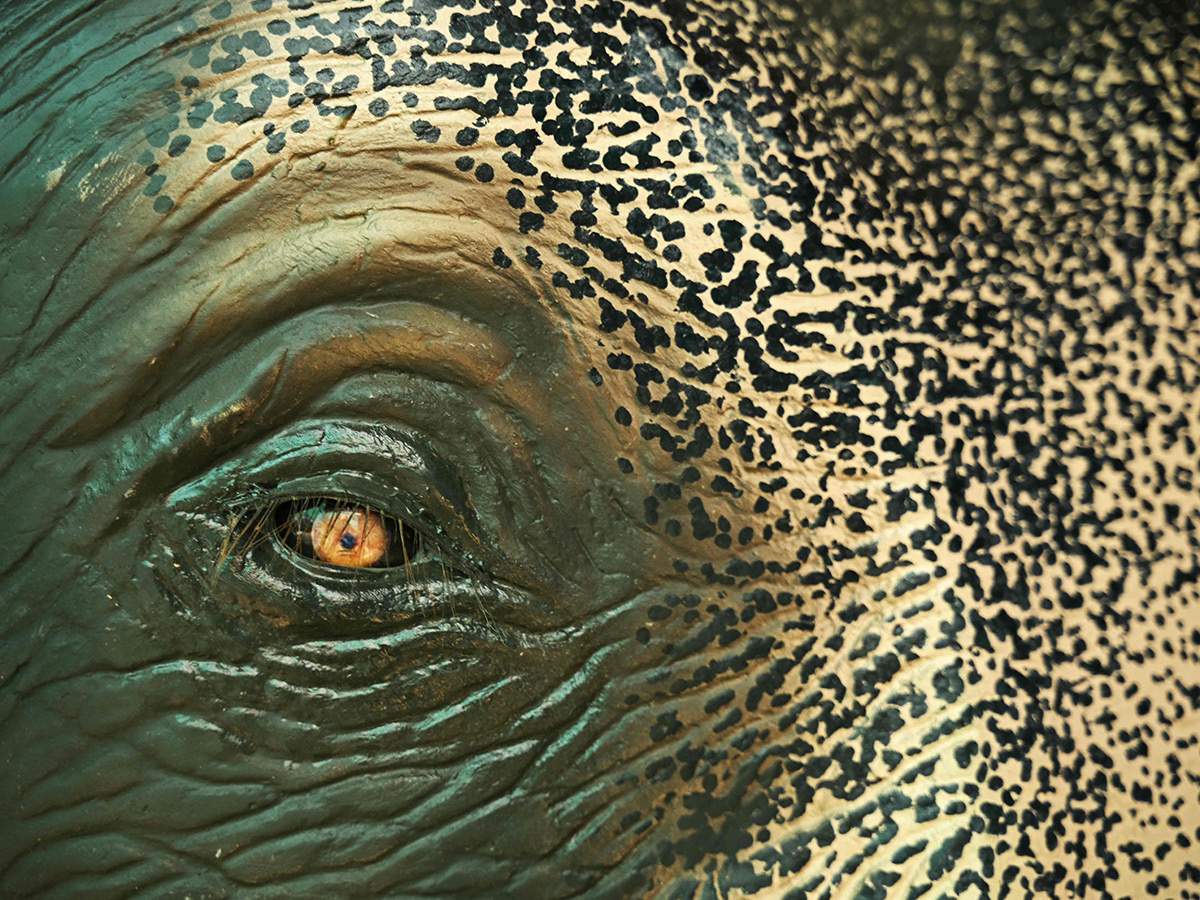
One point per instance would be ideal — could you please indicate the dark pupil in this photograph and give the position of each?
(294, 526)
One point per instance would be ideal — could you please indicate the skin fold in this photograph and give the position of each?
(797, 400)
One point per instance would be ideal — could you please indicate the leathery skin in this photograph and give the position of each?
(785, 413)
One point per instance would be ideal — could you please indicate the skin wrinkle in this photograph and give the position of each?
(913, 474)
(268, 313)
(388, 142)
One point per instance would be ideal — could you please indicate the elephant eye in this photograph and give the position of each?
(335, 532)
(340, 534)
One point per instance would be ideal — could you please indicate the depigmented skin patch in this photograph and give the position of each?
(804, 396)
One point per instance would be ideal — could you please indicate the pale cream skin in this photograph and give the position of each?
(168, 350)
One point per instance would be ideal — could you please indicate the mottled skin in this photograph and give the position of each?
(806, 393)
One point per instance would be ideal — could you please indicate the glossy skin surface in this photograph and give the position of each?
(797, 405)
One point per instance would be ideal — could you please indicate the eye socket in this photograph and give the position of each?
(333, 531)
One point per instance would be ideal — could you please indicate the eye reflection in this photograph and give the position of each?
(338, 532)
(340, 537)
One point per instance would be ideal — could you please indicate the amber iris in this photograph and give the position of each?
(344, 533)
(349, 537)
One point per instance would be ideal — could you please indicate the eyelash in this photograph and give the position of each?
(338, 534)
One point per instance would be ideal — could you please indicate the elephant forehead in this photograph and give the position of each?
(597, 155)
(576, 141)
(559, 102)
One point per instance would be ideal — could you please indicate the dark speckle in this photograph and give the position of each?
(425, 131)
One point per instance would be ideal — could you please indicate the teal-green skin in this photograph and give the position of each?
(796, 403)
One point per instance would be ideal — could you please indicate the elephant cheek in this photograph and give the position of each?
(170, 749)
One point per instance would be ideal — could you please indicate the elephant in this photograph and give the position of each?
(531, 449)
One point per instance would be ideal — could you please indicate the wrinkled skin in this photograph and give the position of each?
(804, 399)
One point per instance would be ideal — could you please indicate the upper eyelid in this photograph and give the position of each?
(388, 467)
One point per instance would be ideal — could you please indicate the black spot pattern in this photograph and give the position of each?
(902, 299)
